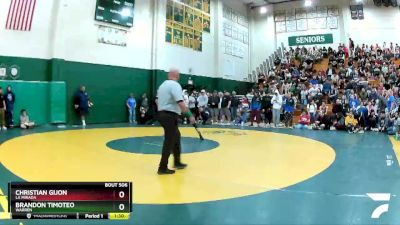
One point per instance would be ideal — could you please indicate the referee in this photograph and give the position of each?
(170, 107)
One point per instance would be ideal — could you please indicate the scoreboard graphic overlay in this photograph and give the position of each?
(95, 200)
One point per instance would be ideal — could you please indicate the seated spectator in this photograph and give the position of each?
(392, 123)
(372, 121)
(314, 81)
(304, 121)
(326, 87)
(277, 61)
(243, 113)
(351, 123)
(382, 121)
(205, 115)
(324, 52)
(363, 94)
(333, 94)
(339, 122)
(333, 62)
(330, 50)
(322, 121)
(24, 120)
(335, 78)
(318, 98)
(144, 117)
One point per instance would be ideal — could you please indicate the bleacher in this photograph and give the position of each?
(323, 66)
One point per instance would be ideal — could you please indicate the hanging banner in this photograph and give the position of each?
(311, 39)
(188, 39)
(198, 21)
(188, 16)
(178, 34)
(170, 10)
(198, 4)
(198, 41)
(206, 6)
(169, 32)
(188, 2)
(186, 20)
(206, 23)
(178, 12)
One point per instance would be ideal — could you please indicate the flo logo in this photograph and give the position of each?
(383, 198)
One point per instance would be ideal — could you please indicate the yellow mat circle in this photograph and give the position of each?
(246, 162)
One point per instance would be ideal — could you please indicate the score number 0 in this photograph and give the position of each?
(121, 206)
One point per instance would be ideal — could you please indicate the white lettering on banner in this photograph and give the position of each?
(310, 39)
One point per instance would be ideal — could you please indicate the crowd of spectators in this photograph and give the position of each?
(358, 91)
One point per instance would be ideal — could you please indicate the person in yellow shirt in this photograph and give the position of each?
(351, 123)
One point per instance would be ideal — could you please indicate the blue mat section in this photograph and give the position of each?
(153, 145)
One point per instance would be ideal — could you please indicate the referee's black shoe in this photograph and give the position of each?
(165, 171)
(180, 166)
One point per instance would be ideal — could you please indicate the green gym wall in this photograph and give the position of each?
(108, 86)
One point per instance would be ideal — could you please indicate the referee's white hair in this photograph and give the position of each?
(173, 70)
(173, 74)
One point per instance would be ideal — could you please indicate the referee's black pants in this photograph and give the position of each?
(172, 138)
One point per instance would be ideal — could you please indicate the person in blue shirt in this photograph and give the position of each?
(314, 80)
(295, 73)
(82, 104)
(289, 107)
(362, 115)
(390, 101)
(354, 102)
(131, 104)
(326, 87)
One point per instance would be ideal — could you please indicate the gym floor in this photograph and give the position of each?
(235, 176)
